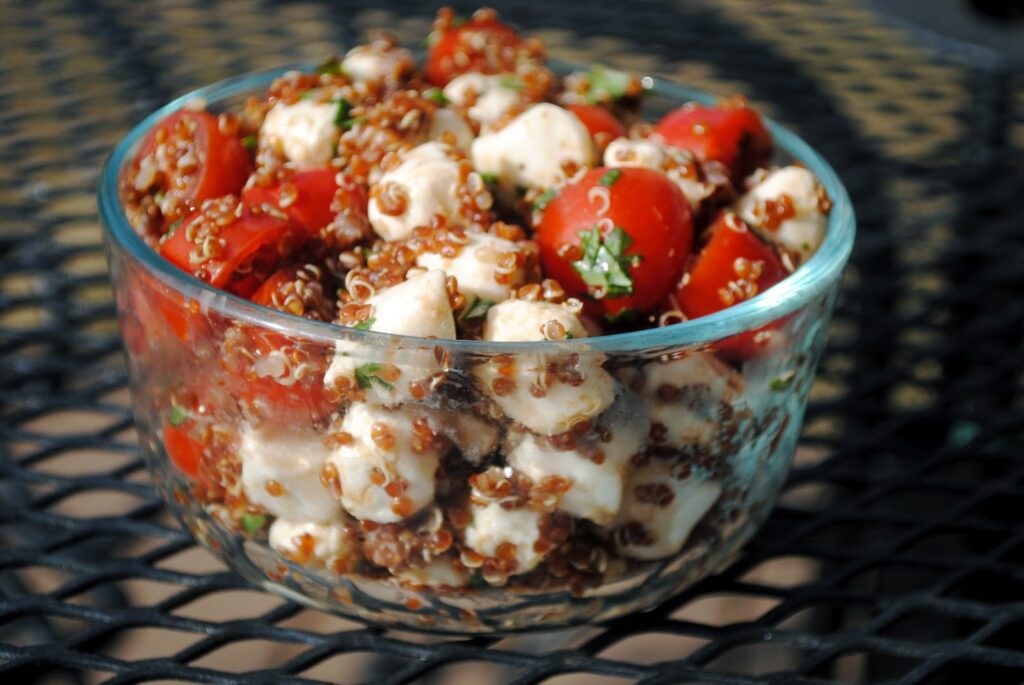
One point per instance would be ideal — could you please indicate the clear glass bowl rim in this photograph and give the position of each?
(808, 282)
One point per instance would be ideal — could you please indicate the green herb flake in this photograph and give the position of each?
(341, 116)
(605, 264)
(458, 20)
(437, 95)
(608, 84)
(249, 142)
(610, 177)
(331, 67)
(781, 383)
(177, 416)
(489, 178)
(365, 324)
(479, 308)
(174, 227)
(349, 123)
(510, 82)
(253, 523)
(367, 376)
(308, 95)
(569, 335)
(544, 199)
(477, 582)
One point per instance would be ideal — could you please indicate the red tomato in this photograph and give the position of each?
(302, 290)
(313, 196)
(185, 452)
(732, 135)
(618, 238)
(602, 124)
(160, 310)
(222, 167)
(251, 246)
(734, 266)
(481, 44)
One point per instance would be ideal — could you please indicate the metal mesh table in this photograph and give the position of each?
(897, 552)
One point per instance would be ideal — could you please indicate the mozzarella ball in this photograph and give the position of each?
(336, 546)
(493, 98)
(492, 526)
(659, 511)
(438, 572)
(476, 266)
(385, 454)
(281, 472)
(525, 320)
(416, 307)
(801, 233)
(450, 121)
(531, 149)
(679, 165)
(689, 397)
(425, 183)
(376, 62)
(596, 467)
(304, 130)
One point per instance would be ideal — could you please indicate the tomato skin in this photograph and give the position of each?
(247, 239)
(648, 207)
(716, 281)
(440, 67)
(314, 195)
(734, 136)
(185, 452)
(599, 121)
(226, 163)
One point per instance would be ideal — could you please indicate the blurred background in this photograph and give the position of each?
(896, 554)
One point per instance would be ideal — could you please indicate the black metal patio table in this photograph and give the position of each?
(897, 551)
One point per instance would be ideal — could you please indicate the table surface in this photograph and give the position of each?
(896, 553)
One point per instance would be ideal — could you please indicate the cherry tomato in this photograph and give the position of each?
(186, 452)
(161, 313)
(601, 123)
(734, 266)
(220, 163)
(303, 290)
(481, 44)
(245, 248)
(731, 134)
(308, 197)
(618, 239)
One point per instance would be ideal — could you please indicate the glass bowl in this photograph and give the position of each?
(642, 461)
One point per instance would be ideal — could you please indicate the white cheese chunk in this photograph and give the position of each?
(336, 546)
(305, 131)
(449, 121)
(531, 149)
(476, 267)
(524, 321)
(688, 395)
(425, 183)
(665, 525)
(492, 526)
(438, 572)
(493, 97)
(281, 472)
(416, 307)
(678, 165)
(801, 233)
(373, 62)
(385, 448)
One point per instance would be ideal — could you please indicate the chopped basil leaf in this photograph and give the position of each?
(174, 227)
(610, 177)
(781, 383)
(543, 199)
(367, 376)
(604, 263)
(308, 95)
(437, 95)
(349, 123)
(341, 116)
(510, 82)
(253, 523)
(477, 582)
(479, 308)
(607, 83)
(177, 416)
(489, 178)
(249, 142)
(365, 324)
(331, 66)
(625, 317)
(569, 335)
(458, 20)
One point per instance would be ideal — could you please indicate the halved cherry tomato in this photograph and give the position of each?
(185, 452)
(245, 248)
(300, 289)
(220, 163)
(601, 123)
(618, 238)
(159, 310)
(730, 133)
(482, 44)
(734, 266)
(308, 197)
